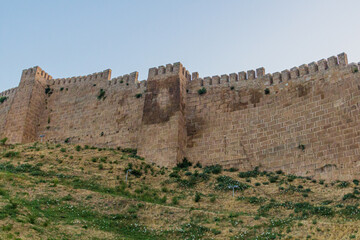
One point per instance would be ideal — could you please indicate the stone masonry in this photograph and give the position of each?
(305, 120)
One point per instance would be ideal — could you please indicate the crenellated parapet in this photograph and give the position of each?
(8, 92)
(104, 75)
(169, 69)
(36, 71)
(249, 77)
(126, 80)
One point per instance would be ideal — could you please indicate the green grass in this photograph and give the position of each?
(40, 191)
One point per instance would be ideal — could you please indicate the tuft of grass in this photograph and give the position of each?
(11, 154)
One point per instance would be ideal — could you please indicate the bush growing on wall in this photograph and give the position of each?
(202, 91)
(101, 94)
(3, 99)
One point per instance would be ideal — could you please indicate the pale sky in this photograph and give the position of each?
(212, 37)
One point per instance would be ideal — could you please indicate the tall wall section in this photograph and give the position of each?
(8, 97)
(22, 119)
(147, 115)
(163, 135)
(94, 110)
(305, 121)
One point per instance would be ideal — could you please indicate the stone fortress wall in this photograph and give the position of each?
(304, 120)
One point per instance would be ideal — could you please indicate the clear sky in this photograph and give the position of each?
(212, 37)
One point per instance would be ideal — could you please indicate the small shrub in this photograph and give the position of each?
(291, 178)
(67, 198)
(136, 173)
(138, 95)
(301, 147)
(215, 231)
(101, 167)
(101, 94)
(78, 148)
(212, 199)
(202, 91)
(349, 196)
(3, 99)
(7, 228)
(267, 91)
(343, 184)
(3, 141)
(67, 140)
(184, 164)
(215, 169)
(257, 184)
(11, 154)
(254, 173)
(62, 150)
(48, 90)
(356, 182)
(174, 174)
(197, 197)
(232, 88)
(231, 169)
(175, 201)
(198, 165)
(273, 179)
(223, 183)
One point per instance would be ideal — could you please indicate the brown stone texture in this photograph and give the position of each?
(245, 128)
(5, 107)
(304, 121)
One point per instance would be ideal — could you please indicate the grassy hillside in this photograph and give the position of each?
(50, 191)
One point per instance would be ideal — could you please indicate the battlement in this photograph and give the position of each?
(36, 71)
(127, 79)
(104, 75)
(259, 75)
(245, 119)
(169, 69)
(8, 92)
